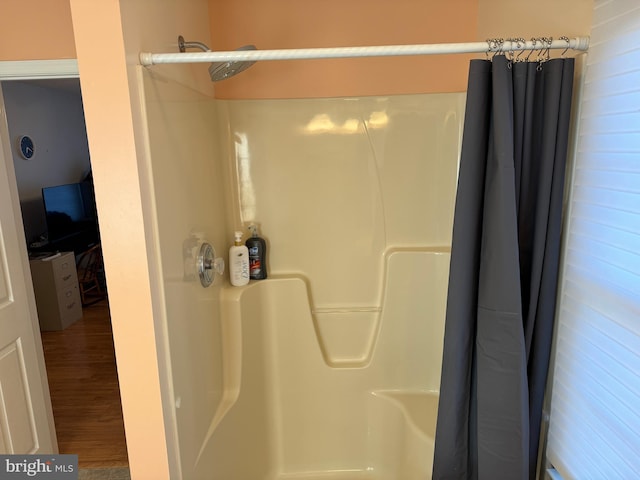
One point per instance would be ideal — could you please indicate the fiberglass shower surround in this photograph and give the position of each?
(349, 422)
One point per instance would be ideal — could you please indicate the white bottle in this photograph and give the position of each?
(239, 262)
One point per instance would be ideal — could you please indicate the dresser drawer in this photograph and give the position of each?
(64, 272)
(68, 295)
(69, 305)
(55, 284)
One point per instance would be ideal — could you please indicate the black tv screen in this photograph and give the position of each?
(69, 209)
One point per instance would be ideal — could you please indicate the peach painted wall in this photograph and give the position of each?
(503, 18)
(296, 24)
(112, 143)
(109, 36)
(36, 30)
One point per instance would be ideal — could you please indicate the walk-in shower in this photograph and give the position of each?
(329, 369)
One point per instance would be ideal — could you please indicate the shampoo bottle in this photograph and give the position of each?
(257, 255)
(239, 262)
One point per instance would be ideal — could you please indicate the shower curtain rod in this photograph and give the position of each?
(490, 46)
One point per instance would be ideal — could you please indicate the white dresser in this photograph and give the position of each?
(55, 283)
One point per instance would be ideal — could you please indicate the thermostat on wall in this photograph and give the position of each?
(26, 147)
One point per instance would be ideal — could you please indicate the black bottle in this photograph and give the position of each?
(257, 255)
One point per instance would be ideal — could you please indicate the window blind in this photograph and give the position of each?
(594, 429)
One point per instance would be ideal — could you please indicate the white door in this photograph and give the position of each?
(26, 418)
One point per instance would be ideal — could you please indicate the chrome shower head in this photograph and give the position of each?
(223, 70)
(219, 70)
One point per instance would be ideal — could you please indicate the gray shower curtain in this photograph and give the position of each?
(504, 267)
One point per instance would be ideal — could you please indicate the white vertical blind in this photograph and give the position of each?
(594, 430)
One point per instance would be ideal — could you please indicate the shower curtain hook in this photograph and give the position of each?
(566, 39)
(535, 42)
(545, 53)
(548, 51)
(494, 46)
(521, 43)
(511, 55)
(540, 51)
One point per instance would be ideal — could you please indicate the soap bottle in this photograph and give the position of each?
(257, 255)
(239, 262)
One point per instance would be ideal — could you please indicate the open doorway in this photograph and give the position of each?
(77, 339)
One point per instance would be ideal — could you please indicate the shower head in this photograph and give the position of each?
(219, 70)
(223, 70)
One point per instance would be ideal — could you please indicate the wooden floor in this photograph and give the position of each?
(84, 389)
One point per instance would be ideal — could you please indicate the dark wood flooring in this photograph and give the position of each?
(84, 389)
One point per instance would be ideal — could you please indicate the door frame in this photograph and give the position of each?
(32, 70)
(38, 69)
(19, 70)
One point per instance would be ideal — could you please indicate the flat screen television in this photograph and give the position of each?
(70, 211)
